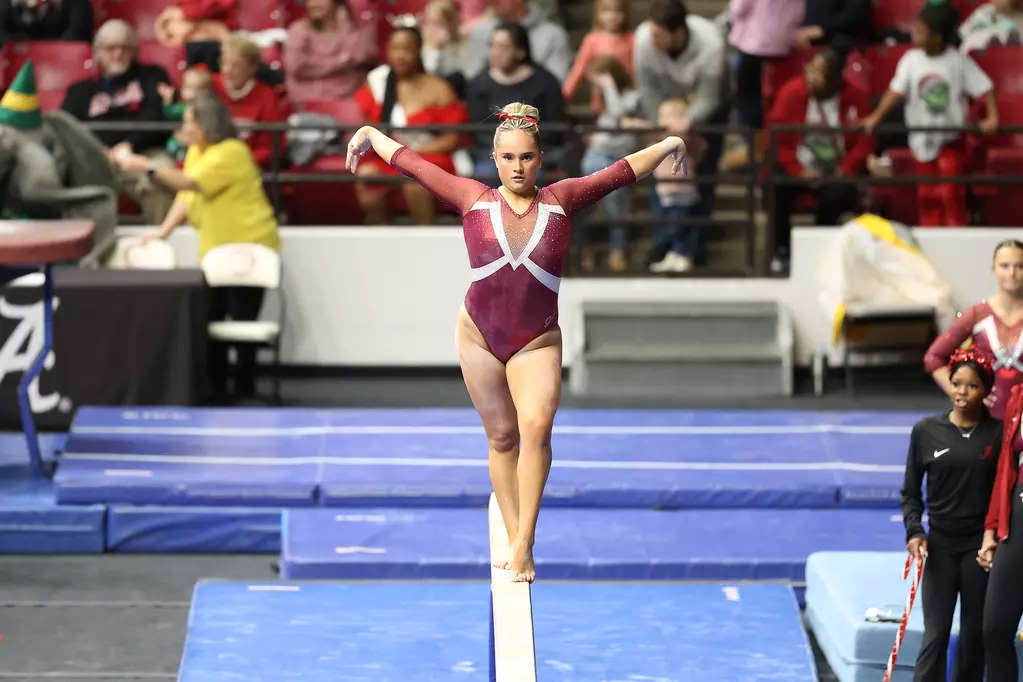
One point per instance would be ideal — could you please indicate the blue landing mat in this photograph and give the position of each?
(31, 523)
(197, 530)
(249, 470)
(437, 457)
(579, 544)
(429, 632)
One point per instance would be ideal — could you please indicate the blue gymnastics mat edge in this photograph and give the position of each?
(193, 530)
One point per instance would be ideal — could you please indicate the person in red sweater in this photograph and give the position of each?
(1003, 603)
(248, 99)
(820, 98)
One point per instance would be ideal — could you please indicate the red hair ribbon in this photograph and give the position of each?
(508, 117)
(970, 355)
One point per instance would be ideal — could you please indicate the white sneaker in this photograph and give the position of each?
(672, 262)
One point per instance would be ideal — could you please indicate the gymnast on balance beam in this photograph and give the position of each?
(507, 334)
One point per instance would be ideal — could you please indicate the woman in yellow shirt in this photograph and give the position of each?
(220, 192)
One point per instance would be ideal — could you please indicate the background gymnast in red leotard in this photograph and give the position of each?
(996, 327)
(507, 335)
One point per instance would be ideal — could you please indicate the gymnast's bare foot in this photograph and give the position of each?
(502, 560)
(522, 568)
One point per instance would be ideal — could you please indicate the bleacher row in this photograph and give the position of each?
(58, 64)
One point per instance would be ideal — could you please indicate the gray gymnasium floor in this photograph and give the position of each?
(78, 619)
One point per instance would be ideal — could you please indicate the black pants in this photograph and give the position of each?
(952, 571)
(1004, 605)
(235, 303)
(832, 201)
(749, 90)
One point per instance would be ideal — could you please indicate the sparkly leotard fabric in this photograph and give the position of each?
(1000, 342)
(517, 259)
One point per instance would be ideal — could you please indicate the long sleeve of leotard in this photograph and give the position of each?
(953, 337)
(575, 194)
(457, 192)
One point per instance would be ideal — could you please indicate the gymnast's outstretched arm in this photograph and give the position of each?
(575, 194)
(459, 193)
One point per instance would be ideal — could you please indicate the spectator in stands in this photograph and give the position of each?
(611, 36)
(761, 30)
(680, 55)
(999, 22)
(401, 93)
(327, 54)
(937, 81)
(125, 90)
(513, 76)
(443, 47)
(548, 40)
(673, 201)
(193, 81)
(610, 77)
(220, 192)
(51, 20)
(248, 99)
(825, 20)
(821, 98)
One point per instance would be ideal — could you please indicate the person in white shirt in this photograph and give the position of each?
(999, 22)
(937, 82)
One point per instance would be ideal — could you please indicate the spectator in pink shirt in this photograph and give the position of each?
(327, 54)
(611, 36)
(761, 30)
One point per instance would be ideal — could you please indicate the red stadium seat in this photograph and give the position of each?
(1002, 64)
(883, 60)
(899, 15)
(317, 203)
(896, 15)
(141, 14)
(1003, 155)
(173, 59)
(897, 202)
(57, 65)
(260, 15)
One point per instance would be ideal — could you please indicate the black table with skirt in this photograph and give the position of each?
(121, 337)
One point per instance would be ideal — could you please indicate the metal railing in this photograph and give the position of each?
(569, 150)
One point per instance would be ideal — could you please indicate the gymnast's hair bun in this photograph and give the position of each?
(518, 110)
(518, 116)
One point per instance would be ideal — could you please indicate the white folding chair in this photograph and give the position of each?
(248, 265)
(131, 253)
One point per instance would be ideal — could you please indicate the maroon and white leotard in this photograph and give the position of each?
(1001, 342)
(517, 259)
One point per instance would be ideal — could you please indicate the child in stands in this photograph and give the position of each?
(611, 37)
(608, 76)
(672, 201)
(937, 82)
(193, 81)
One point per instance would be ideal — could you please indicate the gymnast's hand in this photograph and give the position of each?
(678, 155)
(361, 143)
(986, 555)
(917, 547)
